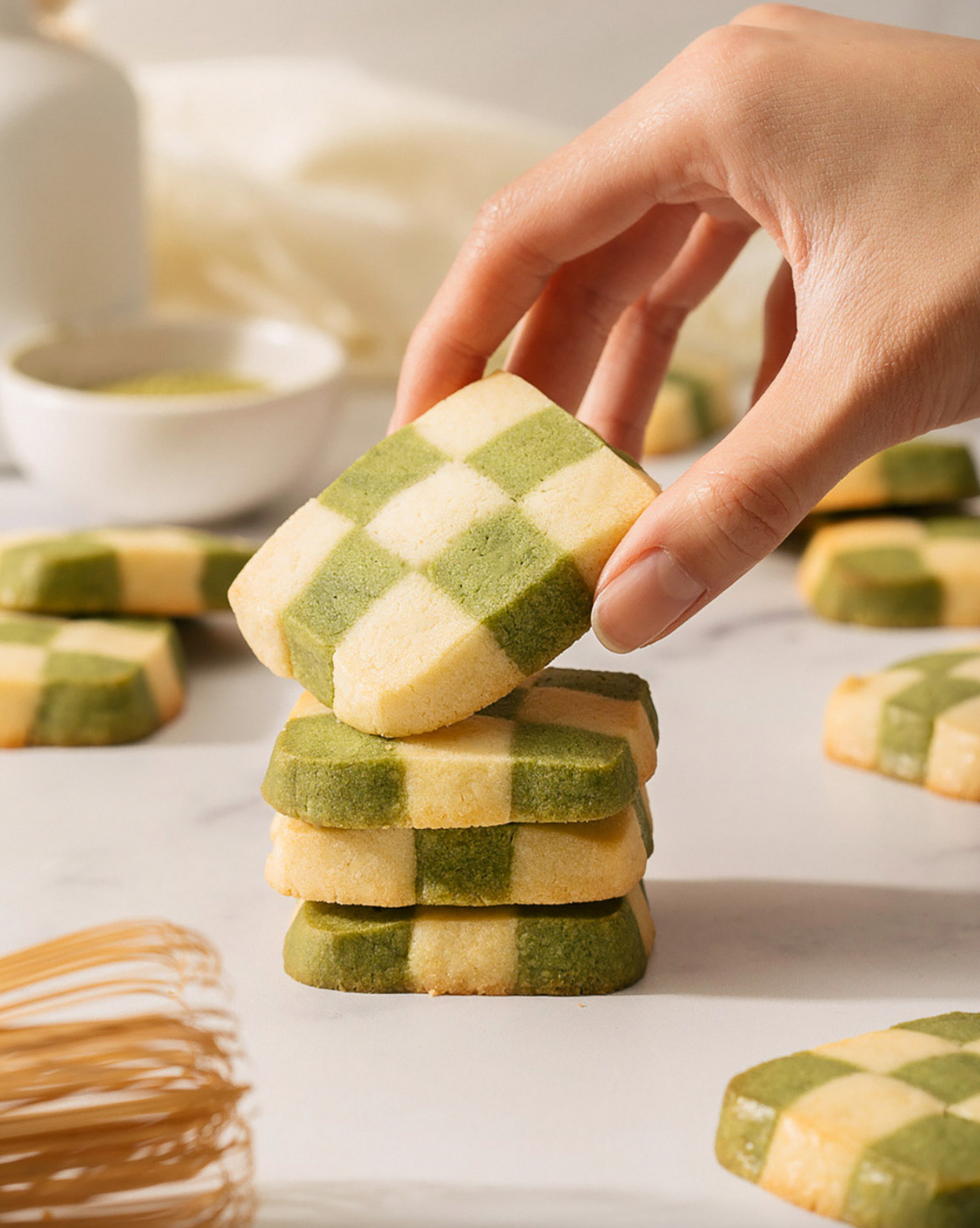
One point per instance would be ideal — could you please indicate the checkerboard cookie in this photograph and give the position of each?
(565, 745)
(86, 682)
(895, 571)
(691, 406)
(882, 1130)
(919, 721)
(163, 572)
(919, 472)
(516, 863)
(454, 559)
(573, 949)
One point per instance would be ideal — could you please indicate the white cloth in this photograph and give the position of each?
(310, 190)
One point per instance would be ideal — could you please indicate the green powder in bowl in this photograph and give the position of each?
(180, 383)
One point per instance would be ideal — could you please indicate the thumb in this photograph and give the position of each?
(728, 511)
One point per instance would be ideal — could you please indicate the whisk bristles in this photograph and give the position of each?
(118, 1097)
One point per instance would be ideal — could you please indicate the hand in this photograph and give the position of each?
(857, 147)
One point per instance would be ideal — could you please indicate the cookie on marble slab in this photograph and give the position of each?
(895, 571)
(921, 471)
(918, 720)
(516, 863)
(879, 1131)
(454, 559)
(690, 406)
(86, 682)
(571, 949)
(567, 745)
(167, 572)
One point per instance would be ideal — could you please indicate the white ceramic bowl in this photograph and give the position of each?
(171, 458)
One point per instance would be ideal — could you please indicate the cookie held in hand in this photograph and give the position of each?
(456, 558)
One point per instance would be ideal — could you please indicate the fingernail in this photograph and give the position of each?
(642, 601)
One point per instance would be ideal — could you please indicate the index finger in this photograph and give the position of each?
(647, 151)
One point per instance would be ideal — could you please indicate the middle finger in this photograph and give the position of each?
(563, 335)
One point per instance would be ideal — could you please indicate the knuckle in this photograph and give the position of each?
(765, 15)
(598, 307)
(663, 321)
(493, 218)
(734, 65)
(722, 43)
(500, 226)
(750, 514)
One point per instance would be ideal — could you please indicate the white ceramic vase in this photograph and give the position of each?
(73, 250)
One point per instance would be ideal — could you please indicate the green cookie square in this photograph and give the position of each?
(512, 579)
(221, 565)
(358, 949)
(926, 1175)
(468, 866)
(953, 526)
(521, 457)
(92, 700)
(597, 946)
(754, 1100)
(28, 631)
(922, 471)
(353, 576)
(699, 394)
(937, 662)
(72, 575)
(908, 719)
(961, 1027)
(400, 461)
(951, 1077)
(331, 775)
(560, 770)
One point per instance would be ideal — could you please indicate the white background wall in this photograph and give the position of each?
(564, 60)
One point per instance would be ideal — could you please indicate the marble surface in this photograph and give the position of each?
(797, 902)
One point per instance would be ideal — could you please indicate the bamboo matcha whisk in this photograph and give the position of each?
(118, 1098)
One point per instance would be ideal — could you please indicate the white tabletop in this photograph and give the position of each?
(797, 902)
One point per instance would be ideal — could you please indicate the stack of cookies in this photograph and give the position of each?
(456, 816)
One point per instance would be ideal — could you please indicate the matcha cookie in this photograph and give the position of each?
(879, 1131)
(517, 863)
(454, 559)
(896, 572)
(568, 744)
(919, 721)
(85, 682)
(690, 407)
(572, 949)
(919, 472)
(165, 572)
